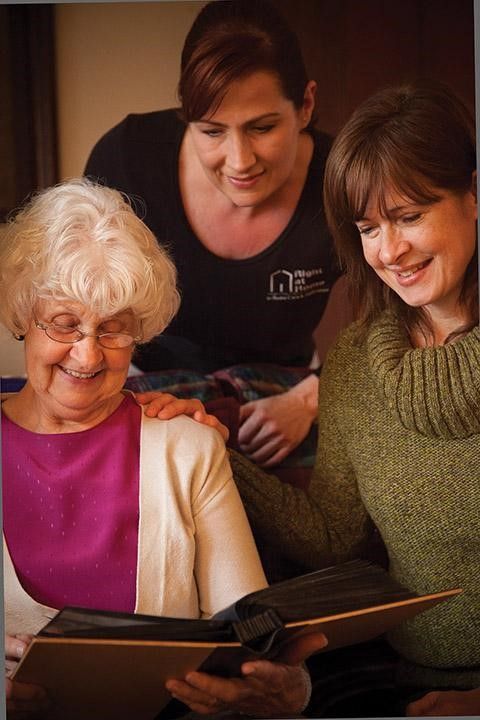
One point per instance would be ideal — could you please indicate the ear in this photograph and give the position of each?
(308, 102)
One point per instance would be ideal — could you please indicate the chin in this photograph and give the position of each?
(414, 303)
(248, 199)
(81, 401)
(410, 299)
(72, 408)
(240, 203)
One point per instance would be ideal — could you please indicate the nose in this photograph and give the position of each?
(393, 245)
(87, 352)
(240, 156)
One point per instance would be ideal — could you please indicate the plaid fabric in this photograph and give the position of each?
(251, 382)
(181, 383)
(11, 384)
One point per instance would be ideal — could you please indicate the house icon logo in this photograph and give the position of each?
(297, 284)
(281, 282)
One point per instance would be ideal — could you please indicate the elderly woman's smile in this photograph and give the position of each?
(79, 375)
(77, 362)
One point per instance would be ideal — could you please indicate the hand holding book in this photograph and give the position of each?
(263, 685)
(21, 697)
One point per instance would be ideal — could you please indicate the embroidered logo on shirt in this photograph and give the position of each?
(296, 284)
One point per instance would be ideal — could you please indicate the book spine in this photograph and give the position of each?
(258, 633)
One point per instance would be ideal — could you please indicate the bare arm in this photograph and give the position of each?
(338, 314)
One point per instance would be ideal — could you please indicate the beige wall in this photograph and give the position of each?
(11, 351)
(112, 59)
(11, 356)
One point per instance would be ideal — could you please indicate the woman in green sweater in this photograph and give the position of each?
(399, 412)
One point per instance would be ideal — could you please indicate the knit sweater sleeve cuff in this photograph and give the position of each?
(308, 688)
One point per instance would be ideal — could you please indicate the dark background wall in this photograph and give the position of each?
(353, 47)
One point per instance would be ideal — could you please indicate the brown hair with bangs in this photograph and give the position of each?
(228, 41)
(416, 139)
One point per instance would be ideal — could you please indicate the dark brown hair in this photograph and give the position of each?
(416, 139)
(229, 40)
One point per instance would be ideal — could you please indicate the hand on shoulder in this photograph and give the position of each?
(166, 406)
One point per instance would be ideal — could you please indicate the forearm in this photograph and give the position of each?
(326, 524)
(307, 391)
(285, 516)
(338, 314)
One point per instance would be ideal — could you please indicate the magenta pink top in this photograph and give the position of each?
(71, 511)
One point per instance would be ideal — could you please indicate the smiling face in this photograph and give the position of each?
(79, 382)
(421, 251)
(249, 147)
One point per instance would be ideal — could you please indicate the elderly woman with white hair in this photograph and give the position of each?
(103, 506)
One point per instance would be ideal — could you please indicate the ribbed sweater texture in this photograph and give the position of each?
(399, 448)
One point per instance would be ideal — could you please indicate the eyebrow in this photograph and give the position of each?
(395, 209)
(62, 310)
(122, 316)
(271, 116)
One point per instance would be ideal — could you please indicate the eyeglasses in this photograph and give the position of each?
(68, 335)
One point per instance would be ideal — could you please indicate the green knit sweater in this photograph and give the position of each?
(399, 444)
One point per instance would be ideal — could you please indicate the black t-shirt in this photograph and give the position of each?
(261, 309)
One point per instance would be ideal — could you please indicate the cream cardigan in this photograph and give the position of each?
(196, 553)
